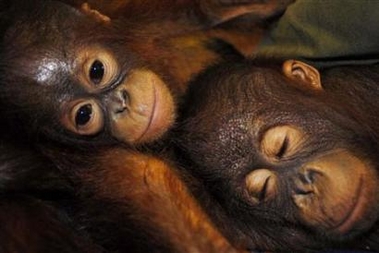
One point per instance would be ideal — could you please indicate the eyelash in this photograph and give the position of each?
(283, 148)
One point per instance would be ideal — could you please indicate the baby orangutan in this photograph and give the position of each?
(291, 158)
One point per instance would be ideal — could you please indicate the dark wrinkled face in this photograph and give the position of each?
(278, 157)
(70, 75)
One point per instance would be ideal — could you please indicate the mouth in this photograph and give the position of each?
(153, 116)
(161, 113)
(355, 212)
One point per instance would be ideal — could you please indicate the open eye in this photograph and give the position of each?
(96, 72)
(84, 117)
(281, 142)
(97, 68)
(101, 71)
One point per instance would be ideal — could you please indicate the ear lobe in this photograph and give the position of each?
(86, 9)
(300, 71)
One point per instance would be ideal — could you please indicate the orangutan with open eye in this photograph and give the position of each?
(85, 88)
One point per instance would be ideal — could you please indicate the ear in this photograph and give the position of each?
(300, 71)
(86, 9)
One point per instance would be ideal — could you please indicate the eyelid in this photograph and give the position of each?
(281, 141)
(283, 149)
(85, 61)
(69, 111)
(110, 72)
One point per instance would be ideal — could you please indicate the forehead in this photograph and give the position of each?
(44, 29)
(35, 28)
(249, 98)
(240, 89)
(38, 39)
(28, 21)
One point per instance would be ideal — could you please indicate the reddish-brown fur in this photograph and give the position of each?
(157, 192)
(108, 186)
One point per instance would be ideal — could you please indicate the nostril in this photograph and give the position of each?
(301, 190)
(120, 101)
(309, 176)
(125, 96)
(306, 180)
(120, 110)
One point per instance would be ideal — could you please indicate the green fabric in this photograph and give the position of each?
(326, 33)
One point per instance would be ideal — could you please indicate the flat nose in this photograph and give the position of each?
(306, 181)
(119, 101)
(262, 185)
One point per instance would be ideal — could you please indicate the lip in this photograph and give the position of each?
(355, 212)
(153, 116)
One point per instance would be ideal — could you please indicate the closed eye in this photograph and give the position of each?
(282, 141)
(283, 149)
